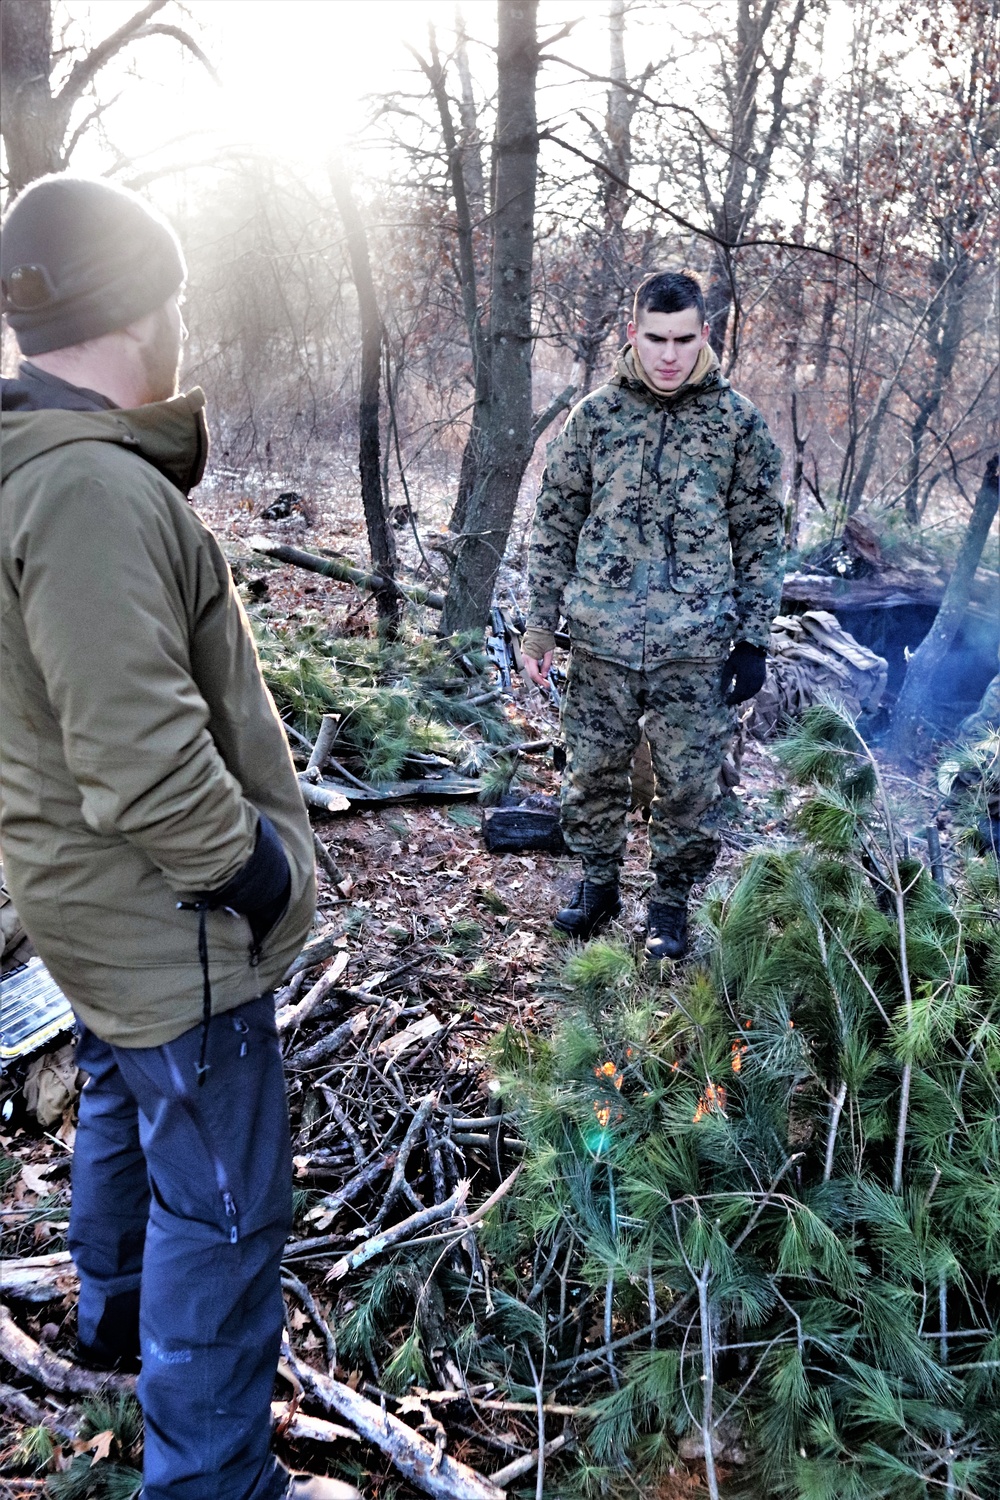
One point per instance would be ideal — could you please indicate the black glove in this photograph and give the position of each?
(260, 889)
(743, 673)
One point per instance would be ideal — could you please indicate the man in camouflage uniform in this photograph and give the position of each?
(658, 534)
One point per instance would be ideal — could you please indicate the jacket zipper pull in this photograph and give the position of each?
(230, 1207)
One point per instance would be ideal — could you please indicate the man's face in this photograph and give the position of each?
(160, 351)
(668, 345)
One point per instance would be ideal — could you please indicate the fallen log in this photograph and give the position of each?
(332, 567)
(529, 1461)
(419, 1461)
(418, 1031)
(333, 1202)
(306, 1429)
(63, 1424)
(37, 1278)
(51, 1370)
(314, 952)
(326, 859)
(425, 788)
(328, 798)
(328, 1045)
(324, 743)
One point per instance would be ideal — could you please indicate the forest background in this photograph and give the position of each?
(396, 218)
(413, 233)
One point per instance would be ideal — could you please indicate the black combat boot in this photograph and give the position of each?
(592, 905)
(666, 932)
(115, 1345)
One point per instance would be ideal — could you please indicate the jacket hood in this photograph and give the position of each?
(706, 376)
(34, 389)
(171, 435)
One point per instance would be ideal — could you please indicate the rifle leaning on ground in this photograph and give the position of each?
(503, 642)
(500, 646)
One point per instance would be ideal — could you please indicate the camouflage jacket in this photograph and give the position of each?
(658, 527)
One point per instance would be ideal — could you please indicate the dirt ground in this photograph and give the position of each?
(421, 910)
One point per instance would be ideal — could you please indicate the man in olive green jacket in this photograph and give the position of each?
(658, 534)
(154, 837)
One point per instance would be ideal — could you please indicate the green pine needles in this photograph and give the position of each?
(394, 699)
(111, 1472)
(759, 1219)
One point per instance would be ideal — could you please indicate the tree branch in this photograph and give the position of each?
(548, 414)
(739, 243)
(85, 71)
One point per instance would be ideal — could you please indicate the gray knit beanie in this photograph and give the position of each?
(80, 258)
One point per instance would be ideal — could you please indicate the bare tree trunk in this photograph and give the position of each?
(915, 692)
(380, 539)
(508, 431)
(873, 433)
(944, 337)
(32, 132)
(824, 342)
(472, 145)
(466, 174)
(475, 211)
(35, 121)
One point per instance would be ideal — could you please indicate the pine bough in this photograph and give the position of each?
(759, 1216)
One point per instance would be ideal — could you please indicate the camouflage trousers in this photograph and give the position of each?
(688, 727)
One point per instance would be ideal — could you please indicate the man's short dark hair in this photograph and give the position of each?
(668, 292)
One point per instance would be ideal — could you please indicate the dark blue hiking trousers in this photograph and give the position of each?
(181, 1208)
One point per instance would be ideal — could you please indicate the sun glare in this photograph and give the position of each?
(295, 74)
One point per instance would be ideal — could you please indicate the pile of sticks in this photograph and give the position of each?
(401, 1149)
(394, 1133)
(395, 1136)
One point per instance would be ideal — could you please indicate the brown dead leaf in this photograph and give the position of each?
(98, 1446)
(34, 1179)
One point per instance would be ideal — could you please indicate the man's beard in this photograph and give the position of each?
(161, 359)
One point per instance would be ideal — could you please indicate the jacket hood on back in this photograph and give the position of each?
(34, 389)
(171, 435)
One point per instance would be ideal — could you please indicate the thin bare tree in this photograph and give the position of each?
(507, 431)
(380, 538)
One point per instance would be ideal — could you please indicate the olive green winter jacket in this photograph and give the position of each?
(139, 742)
(658, 527)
